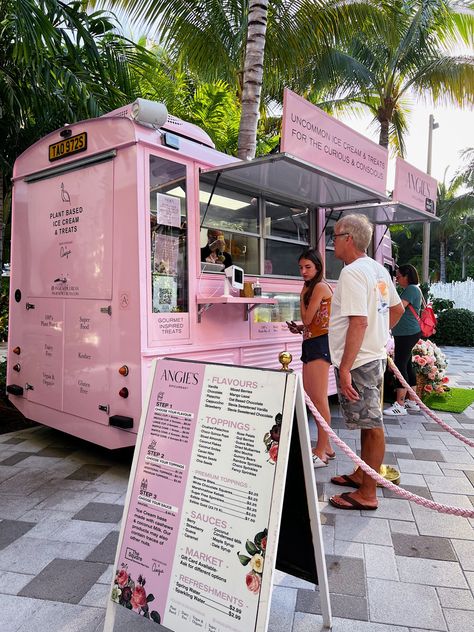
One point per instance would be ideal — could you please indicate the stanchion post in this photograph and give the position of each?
(285, 359)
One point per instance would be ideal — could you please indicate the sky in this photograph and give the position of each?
(454, 134)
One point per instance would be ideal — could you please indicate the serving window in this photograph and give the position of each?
(168, 233)
(260, 236)
(236, 216)
(287, 235)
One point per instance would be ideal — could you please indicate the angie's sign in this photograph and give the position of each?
(414, 187)
(311, 134)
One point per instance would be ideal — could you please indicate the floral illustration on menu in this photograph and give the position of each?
(133, 595)
(272, 439)
(255, 559)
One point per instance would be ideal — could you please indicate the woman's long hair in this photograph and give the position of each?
(312, 255)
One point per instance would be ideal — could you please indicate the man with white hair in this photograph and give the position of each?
(365, 306)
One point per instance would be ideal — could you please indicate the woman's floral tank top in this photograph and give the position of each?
(320, 324)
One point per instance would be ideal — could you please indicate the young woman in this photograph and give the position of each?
(406, 334)
(315, 305)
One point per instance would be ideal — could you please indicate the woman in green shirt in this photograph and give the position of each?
(406, 334)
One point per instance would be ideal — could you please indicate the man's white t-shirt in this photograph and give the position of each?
(364, 289)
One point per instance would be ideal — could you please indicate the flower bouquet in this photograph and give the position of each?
(430, 364)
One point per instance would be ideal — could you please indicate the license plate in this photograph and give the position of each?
(68, 146)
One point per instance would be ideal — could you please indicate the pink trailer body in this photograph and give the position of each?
(109, 216)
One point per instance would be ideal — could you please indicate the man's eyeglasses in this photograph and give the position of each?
(334, 235)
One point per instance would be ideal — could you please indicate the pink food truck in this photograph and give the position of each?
(109, 219)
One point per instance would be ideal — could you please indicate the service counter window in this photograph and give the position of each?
(234, 218)
(168, 231)
(287, 235)
(261, 236)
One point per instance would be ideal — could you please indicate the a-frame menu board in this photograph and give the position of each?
(199, 539)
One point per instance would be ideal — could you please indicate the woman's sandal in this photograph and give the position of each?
(317, 462)
(331, 455)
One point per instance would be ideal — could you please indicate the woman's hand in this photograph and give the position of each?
(294, 328)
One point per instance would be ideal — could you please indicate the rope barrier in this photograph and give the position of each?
(419, 500)
(393, 367)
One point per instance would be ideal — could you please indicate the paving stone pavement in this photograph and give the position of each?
(403, 568)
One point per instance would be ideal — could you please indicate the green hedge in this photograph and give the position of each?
(441, 304)
(455, 328)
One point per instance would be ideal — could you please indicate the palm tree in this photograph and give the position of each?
(453, 207)
(466, 230)
(407, 58)
(466, 171)
(252, 78)
(465, 239)
(57, 64)
(256, 47)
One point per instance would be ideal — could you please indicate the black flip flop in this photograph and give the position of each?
(348, 482)
(353, 503)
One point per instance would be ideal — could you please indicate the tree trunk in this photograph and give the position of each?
(442, 261)
(383, 138)
(252, 78)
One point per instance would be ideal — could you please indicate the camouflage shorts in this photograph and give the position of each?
(366, 413)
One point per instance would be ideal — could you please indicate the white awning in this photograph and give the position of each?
(282, 177)
(287, 179)
(389, 213)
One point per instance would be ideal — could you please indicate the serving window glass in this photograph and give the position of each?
(287, 235)
(261, 236)
(236, 216)
(168, 232)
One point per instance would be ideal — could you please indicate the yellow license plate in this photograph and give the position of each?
(68, 146)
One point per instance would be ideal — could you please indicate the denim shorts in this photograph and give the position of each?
(315, 349)
(366, 412)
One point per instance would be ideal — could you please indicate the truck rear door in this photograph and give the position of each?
(69, 224)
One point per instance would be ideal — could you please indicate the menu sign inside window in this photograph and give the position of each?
(200, 529)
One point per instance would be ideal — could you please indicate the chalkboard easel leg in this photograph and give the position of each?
(110, 616)
(313, 509)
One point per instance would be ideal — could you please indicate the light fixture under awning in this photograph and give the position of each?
(282, 177)
(389, 213)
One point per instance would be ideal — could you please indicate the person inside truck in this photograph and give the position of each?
(214, 250)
